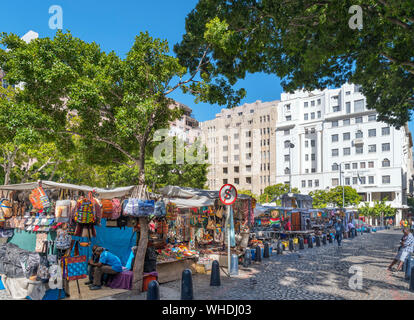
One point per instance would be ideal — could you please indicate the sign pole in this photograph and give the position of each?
(228, 240)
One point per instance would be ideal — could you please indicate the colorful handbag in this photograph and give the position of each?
(116, 209)
(160, 210)
(107, 209)
(6, 209)
(63, 240)
(76, 267)
(85, 211)
(62, 211)
(140, 208)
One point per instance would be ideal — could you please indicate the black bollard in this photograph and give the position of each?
(258, 254)
(246, 258)
(318, 241)
(324, 239)
(291, 246)
(310, 242)
(215, 274)
(279, 247)
(266, 253)
(153, 292)
(187, 285)
(301, 244)
(412, 280)
(408, 268)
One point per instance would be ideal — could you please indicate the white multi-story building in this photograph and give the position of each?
(187, 127)
(332, 131)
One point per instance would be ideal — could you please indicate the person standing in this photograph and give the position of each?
(351, 229)
(405, 249)
(339, 230)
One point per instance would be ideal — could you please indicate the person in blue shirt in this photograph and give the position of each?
(108, 264)
(339, 230)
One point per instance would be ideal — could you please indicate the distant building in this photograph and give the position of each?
(187, 127)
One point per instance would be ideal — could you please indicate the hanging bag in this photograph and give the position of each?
(62, 211)
(39, 199)
(85, 212)
(137, 207)
(76, 267)
(160, 210)
(116, 209)
(6, 208)
(107, 209)
(63, 240)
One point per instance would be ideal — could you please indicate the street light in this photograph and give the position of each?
(343, 187)
(291, 146)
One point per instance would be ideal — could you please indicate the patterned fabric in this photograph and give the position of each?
(39, 199)
(116, 208)
(409, 243)
(77, 268)
(84, 212)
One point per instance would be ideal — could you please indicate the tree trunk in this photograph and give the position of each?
(143, 239)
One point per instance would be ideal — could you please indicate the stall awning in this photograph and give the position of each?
(101, 193)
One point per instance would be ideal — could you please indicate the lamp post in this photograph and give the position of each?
(291, 145)
(343, 187)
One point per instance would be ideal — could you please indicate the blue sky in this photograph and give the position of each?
(113, 25)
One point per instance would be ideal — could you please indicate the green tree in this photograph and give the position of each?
(350, 195)
(309, 44)
(321, 198)
(113, 105)
(247, 192)
(275, 191)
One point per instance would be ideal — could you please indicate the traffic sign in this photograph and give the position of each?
(228, 194)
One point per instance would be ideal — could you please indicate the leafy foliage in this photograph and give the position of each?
(309, 44)
(275, 191)
(334, 197)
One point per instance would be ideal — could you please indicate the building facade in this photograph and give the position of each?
(241, 147)
(186, 128)
(335, 140)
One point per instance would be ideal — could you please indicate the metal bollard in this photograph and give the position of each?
(153, 292)
(187, 285)
(215, 274)
(324, 239)
(247, 259)
(279, 247)
(301, 244)
(291, 245)
(318, 241)
(310, 242)
(412, 280)
(408, 268)
(266, 253)
(258, 254)
(234, 265)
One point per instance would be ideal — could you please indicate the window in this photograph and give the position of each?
(236, 157)
(313, 143)
(348, 93)
(287, 107)
(288, 118)
(372, 132)
(334, 124)
(225, 170)
(240, 114)
(268, 118)
(347, 166)
(354, 180)
(335, 138)
(287, 170)
(355, 165)
(286, 157)
(236, 169)
(336, 109)
(313, 170)
(347, 151)
(371, 164)
(358, 120)
(346, 122)
(348, 107)
(252, 111)
(359, 149)
(268, 130)
(306, 104)
(347, 181)
(236, 147)
(359, 105)
(250, 121)
(313, 115)
(386, 179)
(286, 132)
(305, 116)
(335, 182)
(306, 170)
(225, 159)
(225, 138)
(306, 131)
(248, 156)
(312, 130)
(372, 148)
(313, 103)
(303, 183)
(313, 157)
(319, 114)
(385, 131)
(372, 117)
(287, 143)
(335, 167)
(249, 180)
(225, 181)
(249, 168)
(316, 183)
(347, 136)
(248, 144)
(386, 163)
(335, 152)
(248, 134)
(306, 157)
(362, 180)
(362, 165)
(238, 124)
(236, 136)
(225, 148)
(309, 183)
(359, 134)
(306, 144)
(319, 102)
(385, 147)
(371, 180)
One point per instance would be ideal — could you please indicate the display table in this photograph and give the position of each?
(172, 270)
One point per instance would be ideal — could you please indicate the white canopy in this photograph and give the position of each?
(102, 193)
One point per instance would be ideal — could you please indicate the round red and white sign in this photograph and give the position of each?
(228, 194)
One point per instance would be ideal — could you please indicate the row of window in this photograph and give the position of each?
(346, 136)
(312, 115)
(347, 122)
(237, 157)
(359, 149)
(386, 163)
(362, 180)
(310, 183)
(237, 180)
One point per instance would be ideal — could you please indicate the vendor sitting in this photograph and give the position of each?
(108, 264)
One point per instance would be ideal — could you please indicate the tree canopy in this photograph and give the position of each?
(275, 191)
(334, 197)
(309, 45)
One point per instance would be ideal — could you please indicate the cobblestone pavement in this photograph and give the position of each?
(320, 273)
